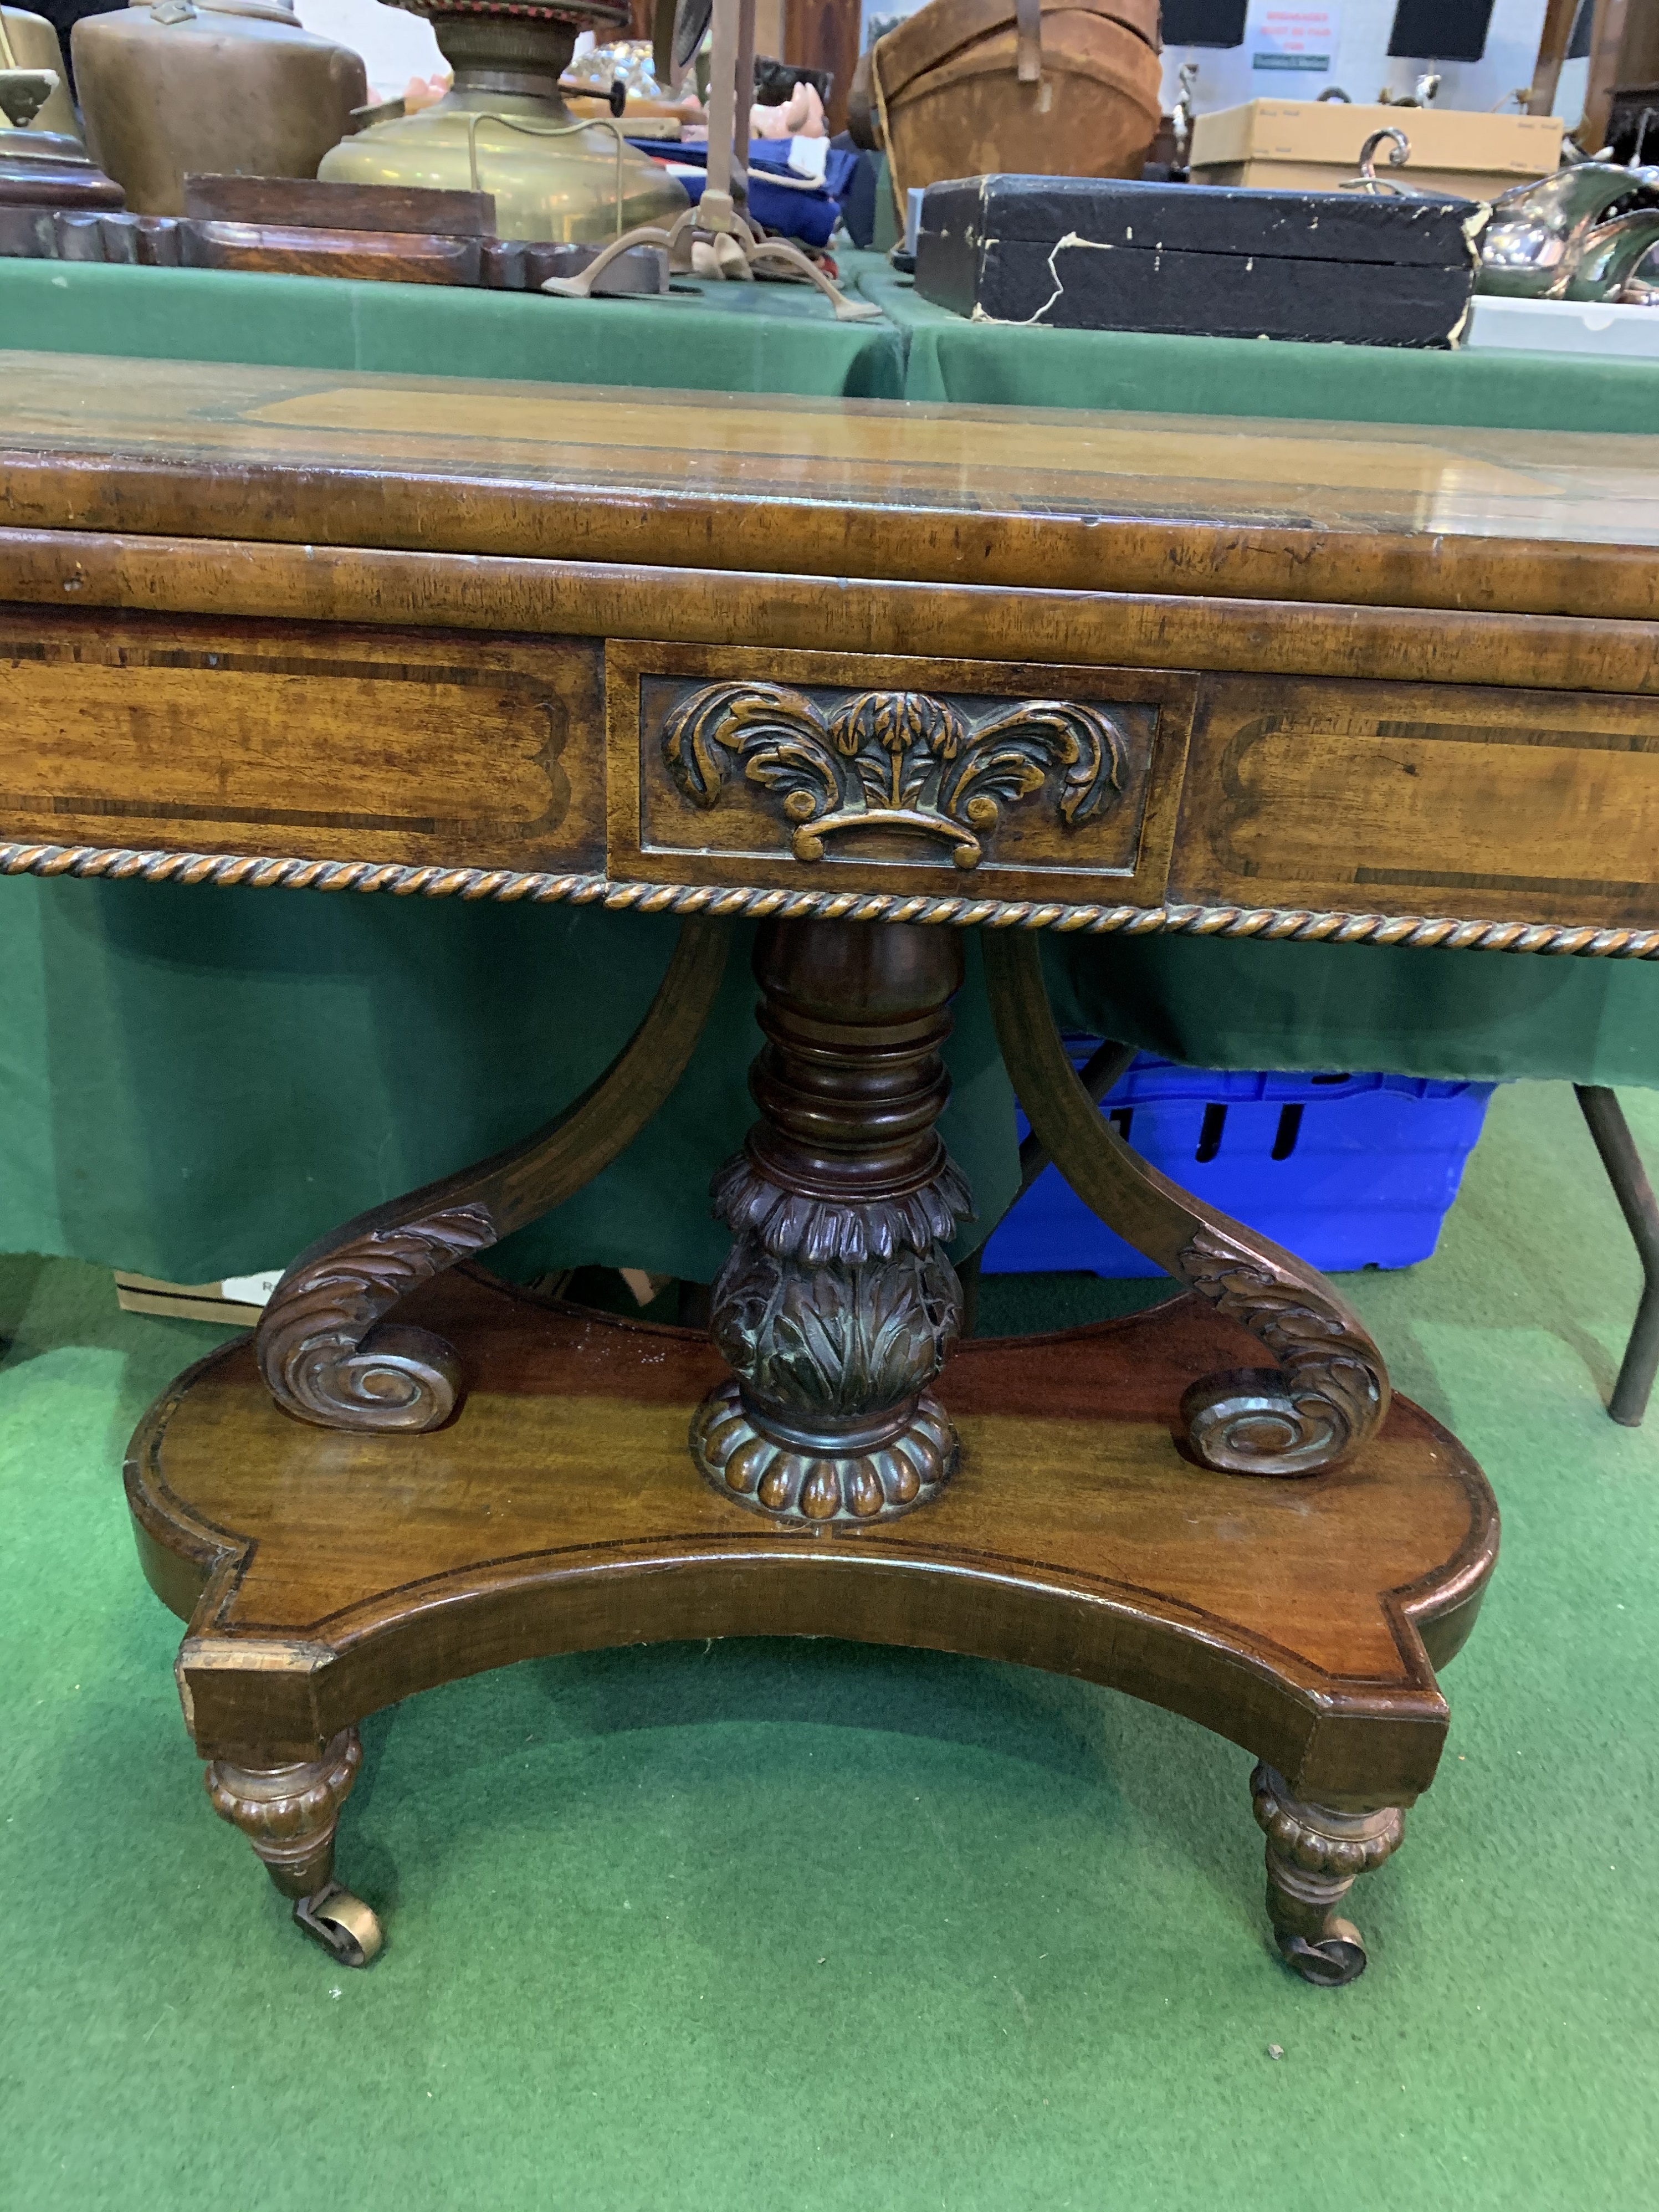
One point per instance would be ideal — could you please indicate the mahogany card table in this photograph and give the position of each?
(878, 675)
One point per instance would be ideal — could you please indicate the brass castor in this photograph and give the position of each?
(1336, 1957)
(347, 1929)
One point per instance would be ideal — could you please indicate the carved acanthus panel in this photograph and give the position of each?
(897, 761)
(798, 767)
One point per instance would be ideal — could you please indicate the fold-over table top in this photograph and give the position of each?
(1510, 521)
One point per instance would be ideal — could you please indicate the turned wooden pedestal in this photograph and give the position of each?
(351, 1509)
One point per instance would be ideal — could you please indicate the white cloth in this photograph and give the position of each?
(808, 157)
(395, 46)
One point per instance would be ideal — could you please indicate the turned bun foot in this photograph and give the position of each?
(809, 1481)
(289, 1813)
(1316, 1853)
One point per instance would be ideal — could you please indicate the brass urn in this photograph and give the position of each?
(503, 129)
(223, 88)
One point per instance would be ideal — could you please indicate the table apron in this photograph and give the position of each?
(1002, 786)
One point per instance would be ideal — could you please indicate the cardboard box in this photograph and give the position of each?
(1311, 145)
(239, 1299)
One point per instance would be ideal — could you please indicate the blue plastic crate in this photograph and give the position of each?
(1346, 1171)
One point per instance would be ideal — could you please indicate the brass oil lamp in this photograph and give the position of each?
(503, 128)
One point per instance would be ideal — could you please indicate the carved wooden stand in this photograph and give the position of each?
(837, 1305)
(1277, 1553)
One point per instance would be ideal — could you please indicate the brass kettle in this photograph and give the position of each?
(227, 88)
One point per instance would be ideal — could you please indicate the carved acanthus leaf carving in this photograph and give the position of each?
(810, 1339)
(793, 1224)
(778, 734)
(896, 760)
(1329, 1393)
(319, 1349)
(832, 1419)
(836, 1304)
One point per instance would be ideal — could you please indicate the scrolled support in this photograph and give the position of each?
(327, 1349)
(1330, 1389)
(324, 1351)
(1327, 1392)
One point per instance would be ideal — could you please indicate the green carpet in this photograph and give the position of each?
(804, 1926)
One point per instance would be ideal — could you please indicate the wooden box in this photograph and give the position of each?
(1092, 254)
(960, 87)
(1311, 145)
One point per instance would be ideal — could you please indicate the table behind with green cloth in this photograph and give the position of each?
(783, 338)
(1001, 364)
(162, 1113)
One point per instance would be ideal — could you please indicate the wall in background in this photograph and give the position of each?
(1360, 61)
(396, 46)
(1361, 65)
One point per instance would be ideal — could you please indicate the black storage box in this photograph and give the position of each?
(1090, 253)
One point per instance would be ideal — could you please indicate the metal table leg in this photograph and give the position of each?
(1634, 1192)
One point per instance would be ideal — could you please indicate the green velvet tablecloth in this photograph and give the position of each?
(717, 338)
(999, 364)
(198, 1082)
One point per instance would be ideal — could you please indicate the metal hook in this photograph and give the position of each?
(1368, 180)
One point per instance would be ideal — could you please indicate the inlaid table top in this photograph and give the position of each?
(942, 491)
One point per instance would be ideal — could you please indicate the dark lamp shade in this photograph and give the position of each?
(1440, 30)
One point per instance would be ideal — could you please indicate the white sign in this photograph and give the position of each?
(1288, 42)
(1290, 52)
